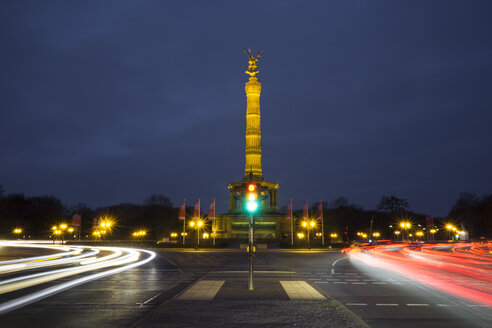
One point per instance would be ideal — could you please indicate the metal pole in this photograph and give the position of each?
(184, 231)
(370, 229)
(213, 229)
(198, 236)
(309, 244)
(322, 232)
(250, 279)
(292, 230)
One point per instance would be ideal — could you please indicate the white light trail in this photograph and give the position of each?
(124, 258)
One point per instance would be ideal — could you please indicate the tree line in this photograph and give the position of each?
(157, 215)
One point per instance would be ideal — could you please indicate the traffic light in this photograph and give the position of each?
(251, 197)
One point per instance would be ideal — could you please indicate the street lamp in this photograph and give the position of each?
(397, 233)
(17, 232)
(451, 229)
(405, 225)
(139, 234)
(71, 231)
(197, 224)
(58, 231)
(309, 225)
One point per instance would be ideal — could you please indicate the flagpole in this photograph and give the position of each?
(291, 225)
(184, 231)
(213, 225)
(322, 223)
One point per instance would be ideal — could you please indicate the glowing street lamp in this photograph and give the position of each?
(139, 234)
(17, 232)
(106, 224)
(197, 224)
(405, 226)
(59, 231)
(451, 230)
(309, 225)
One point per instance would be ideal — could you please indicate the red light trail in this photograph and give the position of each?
(463, 270)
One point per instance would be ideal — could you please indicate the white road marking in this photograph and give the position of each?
(389, 304)
(179, 270)
(301, 290)
(356, 304)
(203, 290)
(340, 282)
(274, 272)
(423, 304)
(321, 282)
(359, 283)
(150, 299)
(379, 283)
(333, 264)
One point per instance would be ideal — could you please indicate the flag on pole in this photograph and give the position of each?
(196, 212)
(289, 210)
(211, 211)
(182, 211)
(76, 218)
(320, 211)
(305, 211)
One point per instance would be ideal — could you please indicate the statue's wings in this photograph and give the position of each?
(259, 53)
(248, 53)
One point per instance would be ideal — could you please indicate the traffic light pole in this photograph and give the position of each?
(251, 237)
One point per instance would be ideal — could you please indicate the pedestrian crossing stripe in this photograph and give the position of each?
(204, 290)
(301, 290)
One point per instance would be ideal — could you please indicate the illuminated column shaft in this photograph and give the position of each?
(253, 129)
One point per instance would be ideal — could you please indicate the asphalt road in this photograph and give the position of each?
(147, 296)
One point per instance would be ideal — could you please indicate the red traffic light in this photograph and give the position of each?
(251, 187)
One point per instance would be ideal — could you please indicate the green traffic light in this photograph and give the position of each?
(252, 206)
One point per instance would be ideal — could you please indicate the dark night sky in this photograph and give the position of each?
(105, 102)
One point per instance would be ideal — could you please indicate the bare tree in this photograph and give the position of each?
(393, 205)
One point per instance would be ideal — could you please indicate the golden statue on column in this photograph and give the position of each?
(252, 69)
(253, 116)
(253, 171)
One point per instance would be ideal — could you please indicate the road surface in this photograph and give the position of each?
(182, 288)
